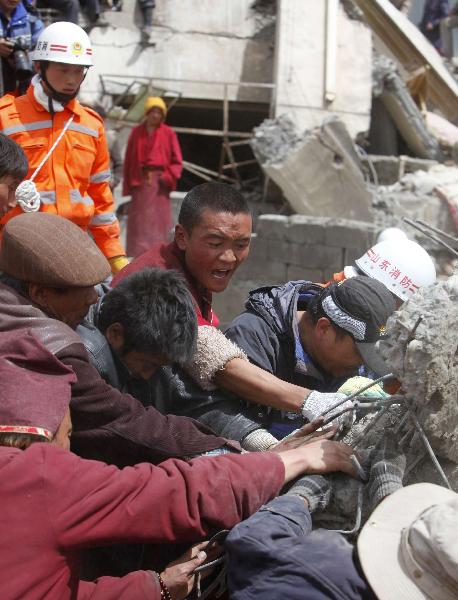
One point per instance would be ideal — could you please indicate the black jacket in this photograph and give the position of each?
(171, 390)
(267, 331)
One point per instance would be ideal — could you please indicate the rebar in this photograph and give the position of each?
(429, 449)
(427, 233)
(357, 393)
(359, 511)
(439, 231)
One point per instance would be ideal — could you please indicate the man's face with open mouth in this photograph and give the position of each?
(216, 247)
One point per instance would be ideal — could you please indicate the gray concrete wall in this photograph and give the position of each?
(296, 247)
(199, 40)
(301, 65)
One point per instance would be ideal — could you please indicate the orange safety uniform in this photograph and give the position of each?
(74, 181)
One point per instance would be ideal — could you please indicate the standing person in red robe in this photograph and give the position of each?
(152, 167)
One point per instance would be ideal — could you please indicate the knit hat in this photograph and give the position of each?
(52, 251)
(153, 101)
(35, 388)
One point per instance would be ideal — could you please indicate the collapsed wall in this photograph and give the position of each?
(319, 172)
(426, 361)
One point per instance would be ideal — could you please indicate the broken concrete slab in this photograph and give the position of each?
(389, 86)
(319, 173)
(425, 360)
(413, 51)
(431, 196)
(390, 169)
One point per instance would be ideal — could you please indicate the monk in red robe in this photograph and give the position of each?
(152, 167)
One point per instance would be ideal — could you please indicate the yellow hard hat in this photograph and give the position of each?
(153, 101)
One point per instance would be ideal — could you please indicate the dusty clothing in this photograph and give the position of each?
(268, 333)
(74, 181)
(433, 13)
(170, 390)
(152, 167)
(169, 256)
(275, 554)
(107, 424)
(54, 504)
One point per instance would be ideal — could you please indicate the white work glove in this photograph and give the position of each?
(317, 403)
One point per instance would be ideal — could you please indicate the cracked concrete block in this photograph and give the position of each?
(319, 173)
(315, 256)
(304, 229)
(425, 360)
(267, 272)
(272, 226)
(295, 273)
(349, 234)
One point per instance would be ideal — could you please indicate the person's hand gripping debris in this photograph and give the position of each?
(334, 406)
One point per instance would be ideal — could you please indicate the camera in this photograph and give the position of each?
(22, 63)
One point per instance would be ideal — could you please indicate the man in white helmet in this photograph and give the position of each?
(402, 265)
(64, 142)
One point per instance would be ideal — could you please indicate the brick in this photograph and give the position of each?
(307, 230)
(268, 272)
(349, 234)
(315, 256)
(272, 226)
(293, 272)
(269, 249)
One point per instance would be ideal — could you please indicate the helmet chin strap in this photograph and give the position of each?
(55, 95)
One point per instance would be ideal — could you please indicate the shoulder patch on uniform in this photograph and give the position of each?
(7, 100)
(94, 114)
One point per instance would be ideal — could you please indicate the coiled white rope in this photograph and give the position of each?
(26, 194)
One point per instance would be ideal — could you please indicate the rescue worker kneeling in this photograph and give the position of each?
(64, 142)
(59, 504)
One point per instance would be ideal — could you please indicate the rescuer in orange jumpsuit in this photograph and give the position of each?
(74, 179)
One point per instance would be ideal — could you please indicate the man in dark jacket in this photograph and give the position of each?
(20, 25)
(49, 269)
(313, 337)
(433, 13)
(134, 338)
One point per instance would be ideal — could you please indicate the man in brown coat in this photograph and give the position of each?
(49, 269)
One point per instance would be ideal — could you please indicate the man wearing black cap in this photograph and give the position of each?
(314, 338)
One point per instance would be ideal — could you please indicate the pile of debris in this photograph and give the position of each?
(422, 351)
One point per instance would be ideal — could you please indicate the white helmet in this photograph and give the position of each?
(64, 42)
(402, 265)
(391, 233)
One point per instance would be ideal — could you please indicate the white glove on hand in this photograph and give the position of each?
(317, 402)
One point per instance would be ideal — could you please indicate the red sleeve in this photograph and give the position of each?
(139, 585)
(173, 170)
(173, 501)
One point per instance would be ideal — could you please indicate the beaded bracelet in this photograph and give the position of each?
(164, 589)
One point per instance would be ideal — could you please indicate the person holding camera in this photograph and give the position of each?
(20, 28)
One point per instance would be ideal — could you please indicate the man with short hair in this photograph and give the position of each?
(13, 168)
(212, 239)
(140, 336)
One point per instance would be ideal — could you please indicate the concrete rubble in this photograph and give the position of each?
(391, 89)
(423, 354)
(426, 361)
(320, 172)
(431, 196)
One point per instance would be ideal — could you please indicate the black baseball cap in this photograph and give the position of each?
(361, 306)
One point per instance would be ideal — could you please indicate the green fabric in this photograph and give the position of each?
(356, 383)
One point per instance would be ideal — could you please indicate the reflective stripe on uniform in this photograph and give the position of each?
(84, 129)
(48, 197)
(27, 127)
(75, 198)
(104, 219)
(101, 176)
